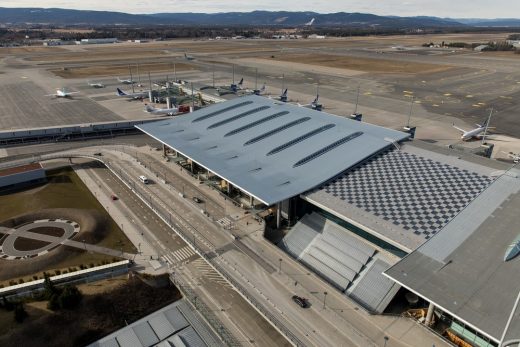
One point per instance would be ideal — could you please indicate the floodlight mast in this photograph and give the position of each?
(357, 99)
(487, 125)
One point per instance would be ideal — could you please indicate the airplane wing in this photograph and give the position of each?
(71, 93)
(459, 129)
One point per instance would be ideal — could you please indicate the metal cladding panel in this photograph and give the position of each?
(176, 319)
(190, 338)
(161, 326)
(145, 334)
(270, 149)
(128, 338)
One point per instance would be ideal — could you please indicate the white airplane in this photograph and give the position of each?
(473, 133)
(95, 84)
(62, 93)
(310, 23)
(188, 57)
(133, 96)
(514, 156)
(259, 91)
(314, 105)
(128, 81)
(233, 88)
(161, 111)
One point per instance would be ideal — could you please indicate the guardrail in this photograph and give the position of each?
(206, 312)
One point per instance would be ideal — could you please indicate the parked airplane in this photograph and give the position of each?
(161, 111)
(134, 96)
(315, 104)
(62, 93)
(232, 89)
(259, 91)
(95, 84)
(310, 23)
(514, 156)
(473, 133)
(127, 81)
(188, 57)
(282, 97)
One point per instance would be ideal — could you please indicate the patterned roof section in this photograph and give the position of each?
(408, 197)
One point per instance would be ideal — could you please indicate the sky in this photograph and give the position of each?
(438, 8)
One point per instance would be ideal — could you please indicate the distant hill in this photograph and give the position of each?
(57, 16)
(300, 18)
(497, 22)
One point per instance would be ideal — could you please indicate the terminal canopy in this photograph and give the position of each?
(269, 149)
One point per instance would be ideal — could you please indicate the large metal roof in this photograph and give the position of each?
(269, 149)
(462, 269)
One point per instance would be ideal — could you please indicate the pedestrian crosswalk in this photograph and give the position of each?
(209, 273)
(225, 222)
(179, 255)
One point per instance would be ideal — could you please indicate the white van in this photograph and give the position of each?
(144, 179)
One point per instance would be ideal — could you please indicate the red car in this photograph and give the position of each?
(113, 197)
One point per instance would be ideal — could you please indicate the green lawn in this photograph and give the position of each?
(64, 190)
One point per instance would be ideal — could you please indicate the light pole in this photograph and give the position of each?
(324, 298)
(501, 344)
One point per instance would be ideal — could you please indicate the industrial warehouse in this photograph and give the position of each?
(370, 211)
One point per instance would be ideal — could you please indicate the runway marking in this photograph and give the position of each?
(505, 97)
(475, 105)
(435, 105)
(367, 93)
(469, 96)
(447, 94)
(407, 91)
(481, 103)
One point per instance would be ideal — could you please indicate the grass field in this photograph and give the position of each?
(119, 70)
(64, 190)
(361, 64)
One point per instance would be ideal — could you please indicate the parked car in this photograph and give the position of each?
(197, 200)
(302, 302)
(114, 197)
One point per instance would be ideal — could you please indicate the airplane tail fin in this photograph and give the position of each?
(263, 88)
(120, 92)
(316, 99)
(284, 94)
(241, 82)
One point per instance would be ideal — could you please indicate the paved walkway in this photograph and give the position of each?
(65, 242)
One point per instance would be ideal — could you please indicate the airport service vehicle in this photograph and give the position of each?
(302, 302)
(144, 179)
(197, 200)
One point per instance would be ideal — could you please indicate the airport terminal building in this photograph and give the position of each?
(370, 211)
